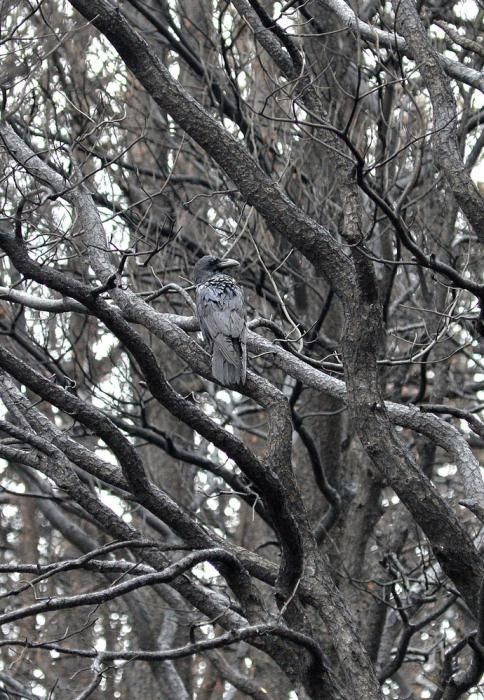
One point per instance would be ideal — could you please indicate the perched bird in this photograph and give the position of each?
(222, 315)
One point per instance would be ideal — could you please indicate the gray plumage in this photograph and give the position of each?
(222, 315)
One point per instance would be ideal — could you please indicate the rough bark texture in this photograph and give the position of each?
(315, 534)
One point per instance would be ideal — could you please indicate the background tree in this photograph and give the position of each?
(318, 532)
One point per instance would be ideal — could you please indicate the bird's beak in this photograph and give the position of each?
(229, 262)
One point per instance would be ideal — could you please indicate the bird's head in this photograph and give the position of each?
(209, 265)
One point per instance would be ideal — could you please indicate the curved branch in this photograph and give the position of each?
(391, 40)
(54, 306)
(98, 597)
(445, 115)
(241, 634)
(441, 433)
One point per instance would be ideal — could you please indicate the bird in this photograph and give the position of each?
(222, 315)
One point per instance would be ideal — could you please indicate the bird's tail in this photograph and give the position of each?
(229, 364)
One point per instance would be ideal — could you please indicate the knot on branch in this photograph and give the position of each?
(110, 283)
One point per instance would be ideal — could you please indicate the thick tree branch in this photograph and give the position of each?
(391, 40)
(445, 115)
